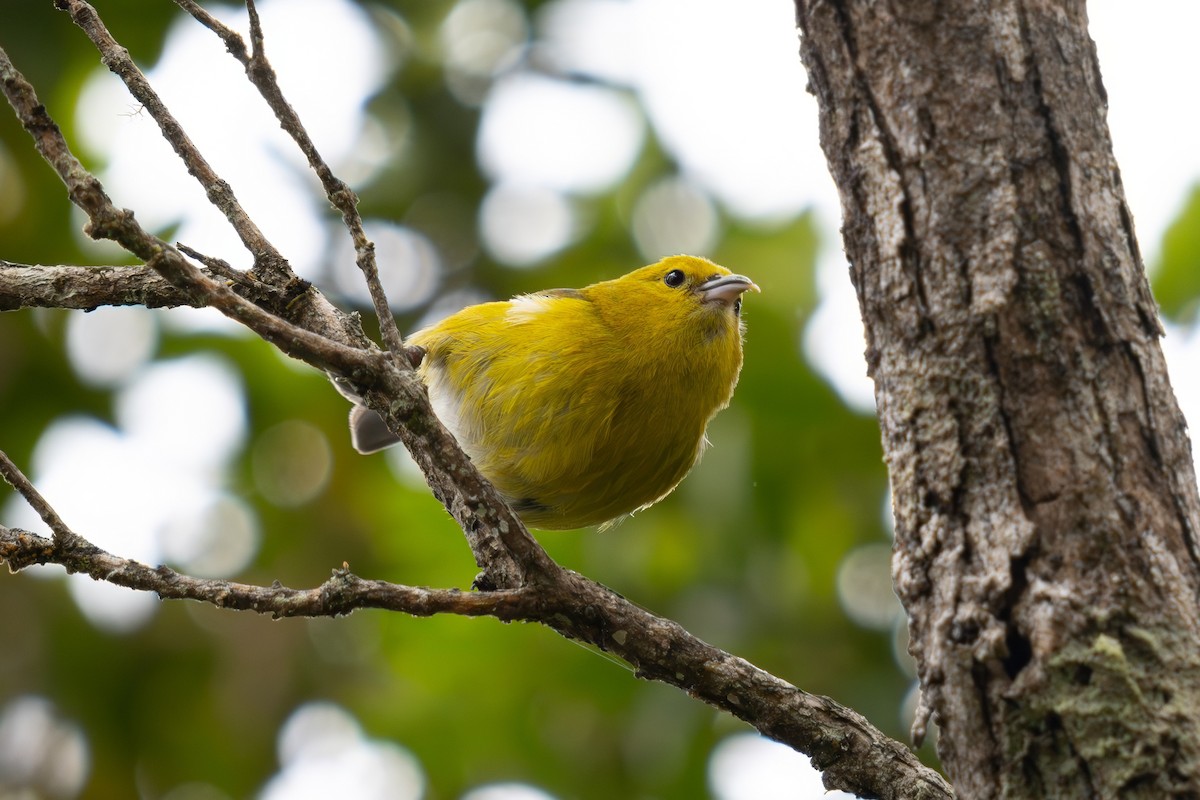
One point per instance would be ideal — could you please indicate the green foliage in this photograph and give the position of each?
(1176, 279)
(744, 554)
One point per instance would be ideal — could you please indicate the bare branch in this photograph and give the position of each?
(267, 259)
(853, 754)
(61, 286)
(24, 487)
(502, 546)
(107, 222)
(341, 594)
(231, 38)
(262, 76)
(87, 287)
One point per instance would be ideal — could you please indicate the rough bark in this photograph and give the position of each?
(1045, 500)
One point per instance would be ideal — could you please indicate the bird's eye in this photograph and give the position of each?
(674, 278)
(737, 307)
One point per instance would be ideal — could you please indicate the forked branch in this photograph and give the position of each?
(524, 583)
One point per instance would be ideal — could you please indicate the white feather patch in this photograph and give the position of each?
(526, 308)
(446, 401)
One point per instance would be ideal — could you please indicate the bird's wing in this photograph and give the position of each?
(526, 386)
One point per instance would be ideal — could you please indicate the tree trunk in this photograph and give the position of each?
(1045, 500)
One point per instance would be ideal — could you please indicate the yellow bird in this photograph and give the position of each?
(584, 405)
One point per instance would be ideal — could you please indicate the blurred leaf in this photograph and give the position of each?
(1176, 279)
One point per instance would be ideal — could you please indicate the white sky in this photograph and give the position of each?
(722, 88)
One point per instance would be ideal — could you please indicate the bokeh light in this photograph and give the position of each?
(672, 216)
(507, 791)
(833, 340)
(323, 753)
(735, 115)
(291, 463)
(41, 753)
(558, 134)
(156, 474)
(110, 607)
(747, 766)
(864, 586)
(107, 345)
(80, 465)
(217, 541)
(577, 36)
(522, 225)
(481, 39)
(189, 411)
(408, 263)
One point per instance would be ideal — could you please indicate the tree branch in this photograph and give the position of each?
(87, 288)
(502, 546)
(339, 595)
(107, 222)
(267, 258)
(262, 75)
(852, 753)
(531, 587)
(61, 286)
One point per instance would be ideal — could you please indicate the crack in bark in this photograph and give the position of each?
(1186, 530)
(1059, 152)
(907, 252)
(1020, 650)
(994, 370)
(995, 762)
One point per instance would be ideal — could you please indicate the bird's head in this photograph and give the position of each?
(684, 299)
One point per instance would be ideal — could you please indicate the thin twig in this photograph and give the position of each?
(24, 487)
(247, 282)
(262, 76)
(107, 222)
(233, 41)
(341, 594)
(267, 259)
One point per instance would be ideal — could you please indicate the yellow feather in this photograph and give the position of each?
(582, 406)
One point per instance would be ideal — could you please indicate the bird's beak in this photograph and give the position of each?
(726, 288)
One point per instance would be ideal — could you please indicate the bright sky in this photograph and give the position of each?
(719, 72)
